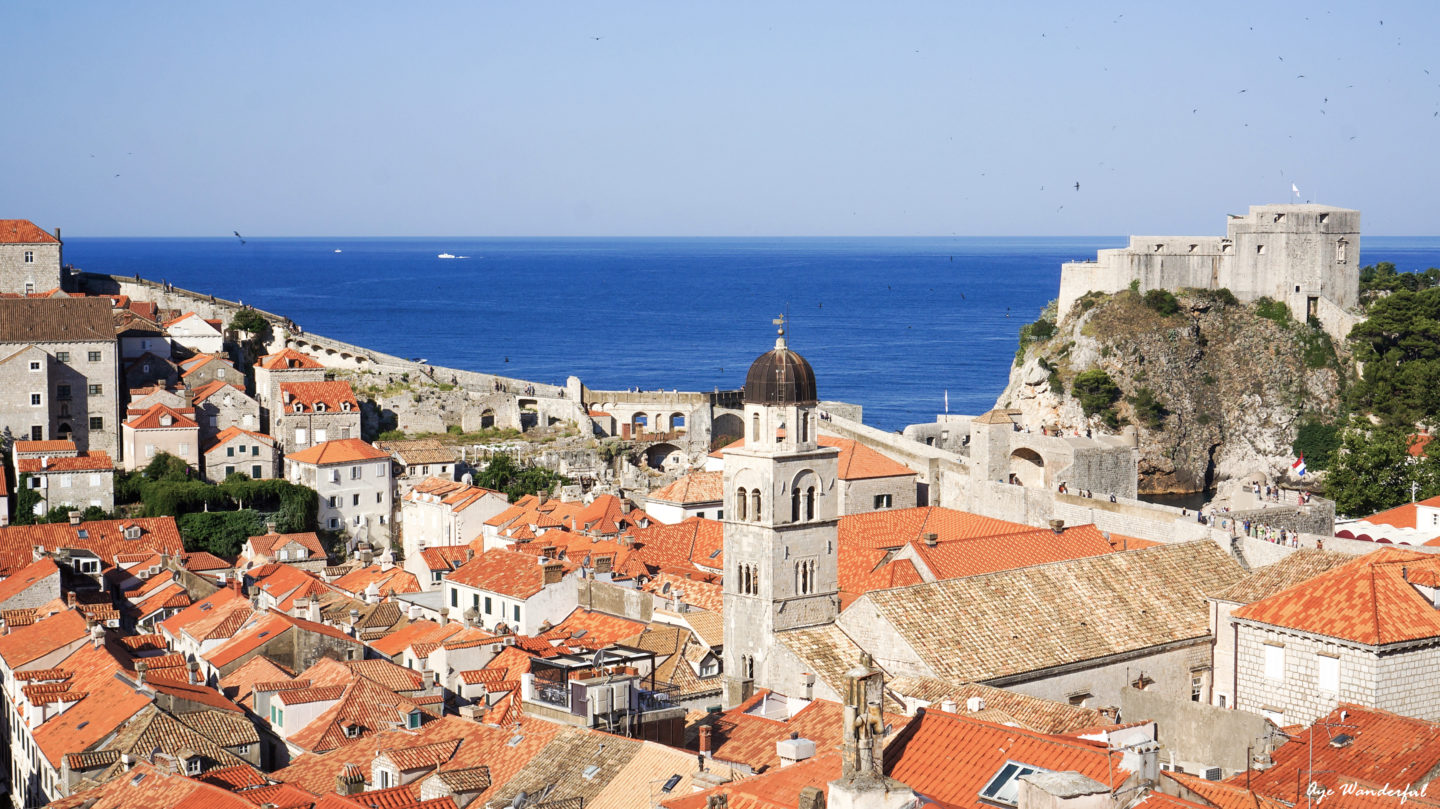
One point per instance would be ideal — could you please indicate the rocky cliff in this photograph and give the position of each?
(1217, 390)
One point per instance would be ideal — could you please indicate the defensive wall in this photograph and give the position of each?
(1298, 254)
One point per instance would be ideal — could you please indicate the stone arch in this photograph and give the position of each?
(677, 423)
(487, 418)
(1027, 467)
(658, 456)
(639, 422)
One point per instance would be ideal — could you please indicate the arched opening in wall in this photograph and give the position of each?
(754, 426)
(551, 421)
(742, 501)
(1028, 468)
(755, 505)
(638, 423)
(65, 431)
(663, 456)
(487, 419)
(677, 422)
(726, 429)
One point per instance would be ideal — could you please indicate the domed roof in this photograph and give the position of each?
(780, 377)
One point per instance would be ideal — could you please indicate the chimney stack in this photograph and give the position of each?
(931, 540)
(707, 740)
(948, 706)
(140, 668)
(194, 667)
(270, 528)
(1058, 526)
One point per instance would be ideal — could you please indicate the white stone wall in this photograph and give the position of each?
(858, 496)
(1409, 683)
(141, 446)
(40, 274)
(79, 489)
(1297, 695)
(367, 497)
(1168, 670)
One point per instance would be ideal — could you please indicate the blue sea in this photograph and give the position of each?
(892, 324)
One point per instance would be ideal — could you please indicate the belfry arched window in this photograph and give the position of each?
(755, 505)
(740, 503)
(754, 426)
(794, 505)
(810, 503)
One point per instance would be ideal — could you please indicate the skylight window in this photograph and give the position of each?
(514, 740)
(206, 607)
(715, 552)
(82, 533)
(671, 783)
(590, 772)
(87, 721)
(1005, 786)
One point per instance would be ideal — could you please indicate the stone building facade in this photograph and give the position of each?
(354, 482)
(59, 371)
(781, 521)
(311, 413)
(30, 258)
(243, 451)
(161, 429)
(1306, 256)
(286, 365)
(220, 406)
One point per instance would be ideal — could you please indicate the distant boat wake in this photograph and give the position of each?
(448, 255)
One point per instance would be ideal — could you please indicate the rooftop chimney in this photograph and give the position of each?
(75, 517)
(707, 740)
(1058, 526)
(794, 750)
(553, 573)
(140, 668)
(975, 704)
(931, 539)
(948, 706)
(269, 528)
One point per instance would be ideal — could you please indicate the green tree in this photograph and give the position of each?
(26, 499)
(1373, 471)
(249, 320)
(165, 466)
(1149, 410)
(1399, 345)
(1318, 442)
(503, 474)
(1162, 301)
(219, 532)
(1095, 390)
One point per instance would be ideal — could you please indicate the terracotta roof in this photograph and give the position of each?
(151, 419)
(239, 685)
(744, 736)
(1402, 516)
(982, 627)
(413, 632)
(198, 362)
(1384, 748)
(395, 580)
(66, 320)
(187, 316)
(287, 358)
(856, 461)
(92, 461)
(234, 777)
(341, 450)
(213, 387)
(302, 696)
(445, 558)
(593, 627)
(776, 789)
(266, 544)
(696, 590)
(696, 487)
(24, 447)
(23, 231)
(24, 644)
(387, 674)
(149, 787)
(1299, 566)
(22, 579)
(108, 703)
(309, 394)
(951, 758)
(104, 538)
(517, 575)
(1366, 601)
(458, 496)
(364, 704)
(1225, 796)
(973, 557)
(200, 561)
(691, 542)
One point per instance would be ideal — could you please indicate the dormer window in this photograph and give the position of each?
(299, 408)
(345, 406)
(412, 721)
(132, 532)
(166, 420)
(319, 407)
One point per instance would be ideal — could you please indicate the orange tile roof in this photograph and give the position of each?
(1385, 748)
(1366, 601)
(22, 579)
(775, 789)
(696, 487)
(213, 387)
(697, 592)
(856, 461)
(23, 447)
(394, 580)
(1402, 516)
(200, 618)
(308, 394)
(951, 758)
(1225, 796)
(894, 528)
(692, 542)
(517, 575)
(363, 703)
(341, 450)
(151, 419)
(23, 231)
(458, 496)
(594, 627)
(413, 632)
(265, 544)
(104, 538)
(108, 703)
(198, 362)
(144, 785)
(749, 739)
(92, 461)
(287, 358)
(239, 685)
(972, 557)
(23, 644)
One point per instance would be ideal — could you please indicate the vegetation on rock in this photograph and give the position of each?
(504, 475)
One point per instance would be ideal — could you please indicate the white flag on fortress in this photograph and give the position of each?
(1295, 189)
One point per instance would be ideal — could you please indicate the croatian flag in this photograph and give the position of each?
(1299, 466)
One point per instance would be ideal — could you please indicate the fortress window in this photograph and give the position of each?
(1323, 217)
(1159, 247)
(740, 498)
(794, 505)
(1259, 249)
(1279, 217)
(1225, 247)
(1193, 247)
(810, 503)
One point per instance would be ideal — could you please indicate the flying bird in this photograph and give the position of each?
(1077, 185)
(236, 232)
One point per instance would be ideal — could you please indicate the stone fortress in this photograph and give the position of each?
(1306, 256)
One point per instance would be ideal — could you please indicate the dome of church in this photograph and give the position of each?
(780, 377)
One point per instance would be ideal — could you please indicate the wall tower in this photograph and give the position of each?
(781, 518)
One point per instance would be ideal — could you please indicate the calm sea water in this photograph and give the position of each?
(890, 324)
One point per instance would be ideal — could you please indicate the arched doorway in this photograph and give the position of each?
(1027, 468)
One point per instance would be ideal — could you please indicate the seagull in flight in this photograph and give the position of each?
(236, 232)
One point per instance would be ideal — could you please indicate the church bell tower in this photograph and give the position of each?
(781, 518)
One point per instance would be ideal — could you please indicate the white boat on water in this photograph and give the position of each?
(337, 251)
(445, 255)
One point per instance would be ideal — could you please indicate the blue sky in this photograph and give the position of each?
(734, 118)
